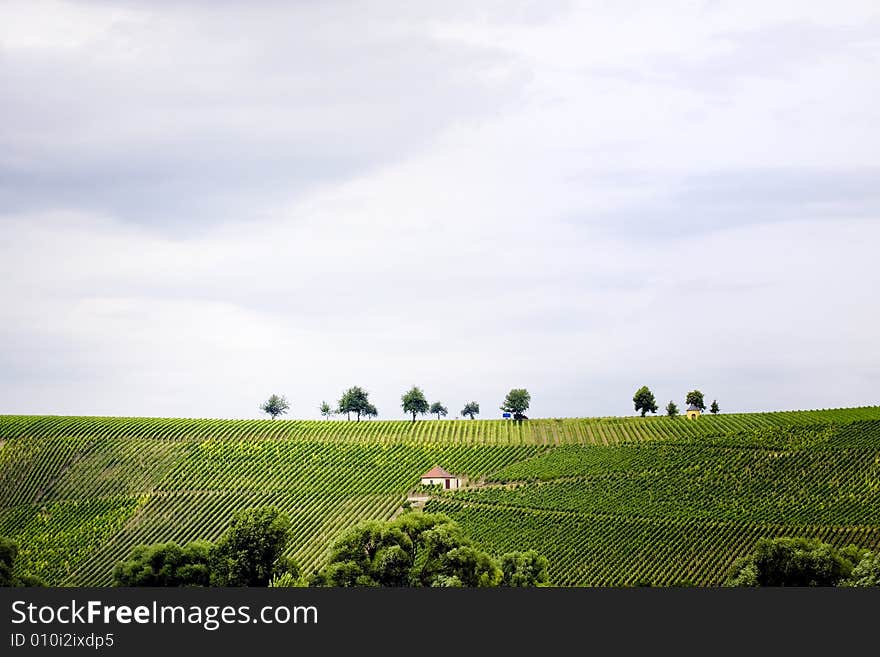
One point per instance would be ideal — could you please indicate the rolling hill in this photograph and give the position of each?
(610, 501)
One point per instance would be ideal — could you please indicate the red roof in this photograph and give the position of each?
(437, 473)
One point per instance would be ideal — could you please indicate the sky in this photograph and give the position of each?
(203, 203)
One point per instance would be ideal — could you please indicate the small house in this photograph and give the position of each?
(693, 412)
(437, 476)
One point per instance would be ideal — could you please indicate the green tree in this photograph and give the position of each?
(370, 411)
(165, 564)
(8, 576)
(248, 554)
(794, 562)
(644, 401)
(866, 573)
(470, 410)
(8, 554)
(671, 409)
(695, 397)
(356, 400)
(326, 410)
(414, 401)
(415, 549)
(524, 569)
(714, 407)
(438, 409)
(517, 402)
(275, 406)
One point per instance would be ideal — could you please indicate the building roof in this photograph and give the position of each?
(437, 473)
(691, 407)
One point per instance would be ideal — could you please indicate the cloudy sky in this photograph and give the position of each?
(203, 203)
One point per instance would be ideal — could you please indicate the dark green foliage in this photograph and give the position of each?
(695, 397)
(644, 401)
(671, 409)
(470, 566)
(517, 402)
(8, 553)
(438, 409)
(356, 400)
(523, 569)
(165, 564)
(275, 406)
(470, 410)
(414, 401)
(714, 407)
(247, 554)
(866, 573)
(794, 562)
(420, 549)
(8, 577)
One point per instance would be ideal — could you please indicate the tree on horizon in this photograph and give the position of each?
(644, 401)
(414, 401)
(470, 409)
(356, 400)
(517, 402)
(695, 397)
(275, 406)
(438, 409)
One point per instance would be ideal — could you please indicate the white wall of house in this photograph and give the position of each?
(441, 481)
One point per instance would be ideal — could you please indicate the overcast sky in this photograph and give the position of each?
(203, 203)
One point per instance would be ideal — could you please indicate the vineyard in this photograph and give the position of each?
(610, 501)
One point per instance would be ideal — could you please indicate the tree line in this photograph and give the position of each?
(415, 549)
(645, 402)
(356, 401)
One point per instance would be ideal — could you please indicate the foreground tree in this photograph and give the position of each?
(414, 401)
(8, 577)
(8, 554)
(438, 409)
(522, 569)
(418, 549)
(795, 562)
(275, 406)
(517, 402)
(671, 409)
(695, 397)
(644, 401)
(866, 573)
(356, 400)
(327, 411)
(165, 564)
(248, 553)
(713, 409)
(470, 410)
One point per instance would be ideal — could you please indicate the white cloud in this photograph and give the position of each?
(578, 205)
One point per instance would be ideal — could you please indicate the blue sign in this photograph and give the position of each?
(505, 415)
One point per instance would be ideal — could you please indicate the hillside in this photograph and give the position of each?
(610, 501)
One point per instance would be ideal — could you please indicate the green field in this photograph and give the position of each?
(610, 501)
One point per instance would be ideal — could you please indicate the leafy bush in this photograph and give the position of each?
(421, 549)
(165, 564)
(794, 562)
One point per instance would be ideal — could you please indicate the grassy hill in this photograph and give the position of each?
(610, 501)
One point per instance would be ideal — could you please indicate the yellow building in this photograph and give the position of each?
(693, 412)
